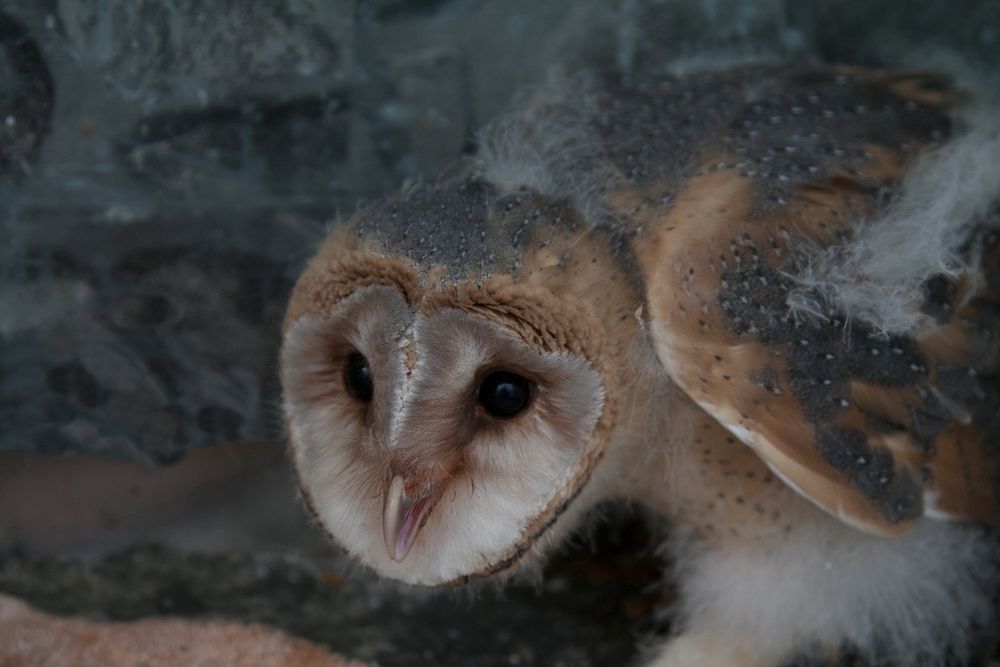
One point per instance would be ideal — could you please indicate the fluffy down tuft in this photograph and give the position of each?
(919, 600)
(878, 276)
(550, 146)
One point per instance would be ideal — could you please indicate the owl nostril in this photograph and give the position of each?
(358, 377)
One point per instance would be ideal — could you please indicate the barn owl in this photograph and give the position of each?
(762, 302)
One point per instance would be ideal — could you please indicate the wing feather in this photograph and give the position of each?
(878, 430)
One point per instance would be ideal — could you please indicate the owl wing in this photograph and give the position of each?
(878, 430)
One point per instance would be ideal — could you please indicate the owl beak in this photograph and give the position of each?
(403, 516)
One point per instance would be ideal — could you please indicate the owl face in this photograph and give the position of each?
(434, 444)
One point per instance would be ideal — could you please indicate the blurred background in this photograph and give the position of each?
(167, 167)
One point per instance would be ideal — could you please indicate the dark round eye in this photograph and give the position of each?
(504, 394)
(358, 377)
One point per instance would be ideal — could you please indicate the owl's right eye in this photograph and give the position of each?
(504, 394)
(358, 377)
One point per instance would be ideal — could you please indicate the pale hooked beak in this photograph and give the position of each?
(403, 516)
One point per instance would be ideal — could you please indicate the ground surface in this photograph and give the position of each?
(590, 610)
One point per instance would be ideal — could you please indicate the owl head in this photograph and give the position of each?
(446, 390)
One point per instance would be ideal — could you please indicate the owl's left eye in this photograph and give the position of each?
(358, 377)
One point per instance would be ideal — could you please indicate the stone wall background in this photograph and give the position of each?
(166, 167)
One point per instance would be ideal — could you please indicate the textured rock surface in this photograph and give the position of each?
(589, 611)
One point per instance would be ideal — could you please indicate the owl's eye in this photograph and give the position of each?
(504, 394)
(358, 377)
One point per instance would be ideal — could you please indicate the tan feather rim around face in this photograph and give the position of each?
(488, 491)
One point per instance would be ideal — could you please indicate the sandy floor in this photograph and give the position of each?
(29, 638)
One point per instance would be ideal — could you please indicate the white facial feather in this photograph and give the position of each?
(515, 473)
